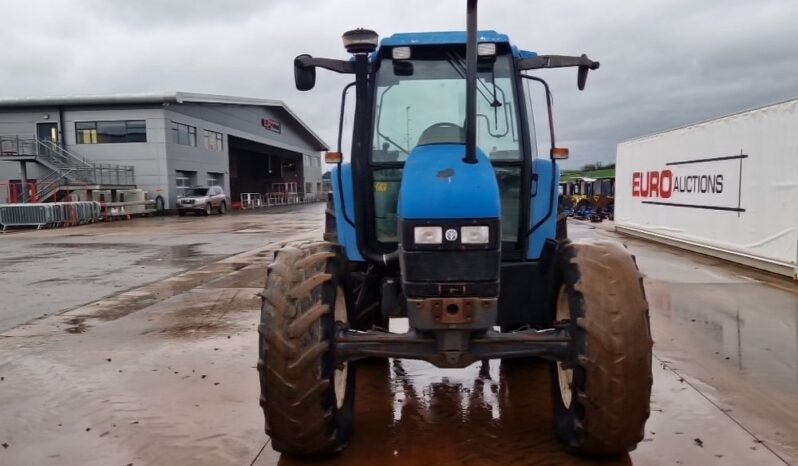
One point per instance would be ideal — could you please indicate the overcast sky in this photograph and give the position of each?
(664, 63)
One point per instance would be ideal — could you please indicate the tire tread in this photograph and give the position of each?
(297, 396)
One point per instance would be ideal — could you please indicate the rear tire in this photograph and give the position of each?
(602, 393)
(562, 228)
(307, 402)
(222, 208)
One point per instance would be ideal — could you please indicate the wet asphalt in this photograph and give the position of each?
(44, 272)
(135, 343)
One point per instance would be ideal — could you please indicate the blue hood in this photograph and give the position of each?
(437, 184)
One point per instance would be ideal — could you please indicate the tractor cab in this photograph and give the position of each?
(444, 195)
(419, 105)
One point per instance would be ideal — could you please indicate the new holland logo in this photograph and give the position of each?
(451, 234)
(711, 183)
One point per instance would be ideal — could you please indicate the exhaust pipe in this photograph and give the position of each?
(471, 83)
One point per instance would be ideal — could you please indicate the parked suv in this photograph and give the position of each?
(203, 200)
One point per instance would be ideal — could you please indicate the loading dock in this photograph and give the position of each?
(263, 169)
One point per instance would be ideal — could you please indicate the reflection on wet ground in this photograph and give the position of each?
(743, 350)
(75, 266)
(499, 413)
(730, 330)
(165, 374)
(491, 413)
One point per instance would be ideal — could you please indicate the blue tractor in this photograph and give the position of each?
(446, 215)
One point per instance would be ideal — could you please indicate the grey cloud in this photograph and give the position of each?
(664, 63)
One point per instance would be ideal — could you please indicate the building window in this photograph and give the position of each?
(184, 134)
(110, 132)
(311, 161)
(184, 180)
(214, 141)
(215, 179)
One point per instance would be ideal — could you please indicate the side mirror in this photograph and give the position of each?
(402, 68)
(581, 77)
(304, 76)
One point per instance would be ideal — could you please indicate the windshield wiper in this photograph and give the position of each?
(457, 64)
(394, 143)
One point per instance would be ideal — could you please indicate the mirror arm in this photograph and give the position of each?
(561, 61)
(556, 61)
(339, 66)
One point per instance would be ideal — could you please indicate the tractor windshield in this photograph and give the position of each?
(417, 96)
(422, 101)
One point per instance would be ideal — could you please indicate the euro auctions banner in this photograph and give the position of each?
(729, 184)
(705, 183)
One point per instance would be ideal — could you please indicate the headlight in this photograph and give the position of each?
(428, 235)
(400, 53)
(475, 235)
(486, 49)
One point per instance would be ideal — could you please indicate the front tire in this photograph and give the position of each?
(207, 210)
(307, 401)
(602, 393)
(365, 287)
(330, 226)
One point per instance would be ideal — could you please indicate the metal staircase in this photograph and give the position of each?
(67, 170)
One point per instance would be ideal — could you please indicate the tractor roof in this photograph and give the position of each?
(448, 38)
(440, 38)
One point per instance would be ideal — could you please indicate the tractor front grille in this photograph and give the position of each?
(450, 273)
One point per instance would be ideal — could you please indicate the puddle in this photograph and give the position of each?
(739, 341)
(180, 256)
(490, 413)
(743, 325)
(94, 245)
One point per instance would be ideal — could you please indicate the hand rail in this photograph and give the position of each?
(52, 149)
(16, 145)
(67, 167)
